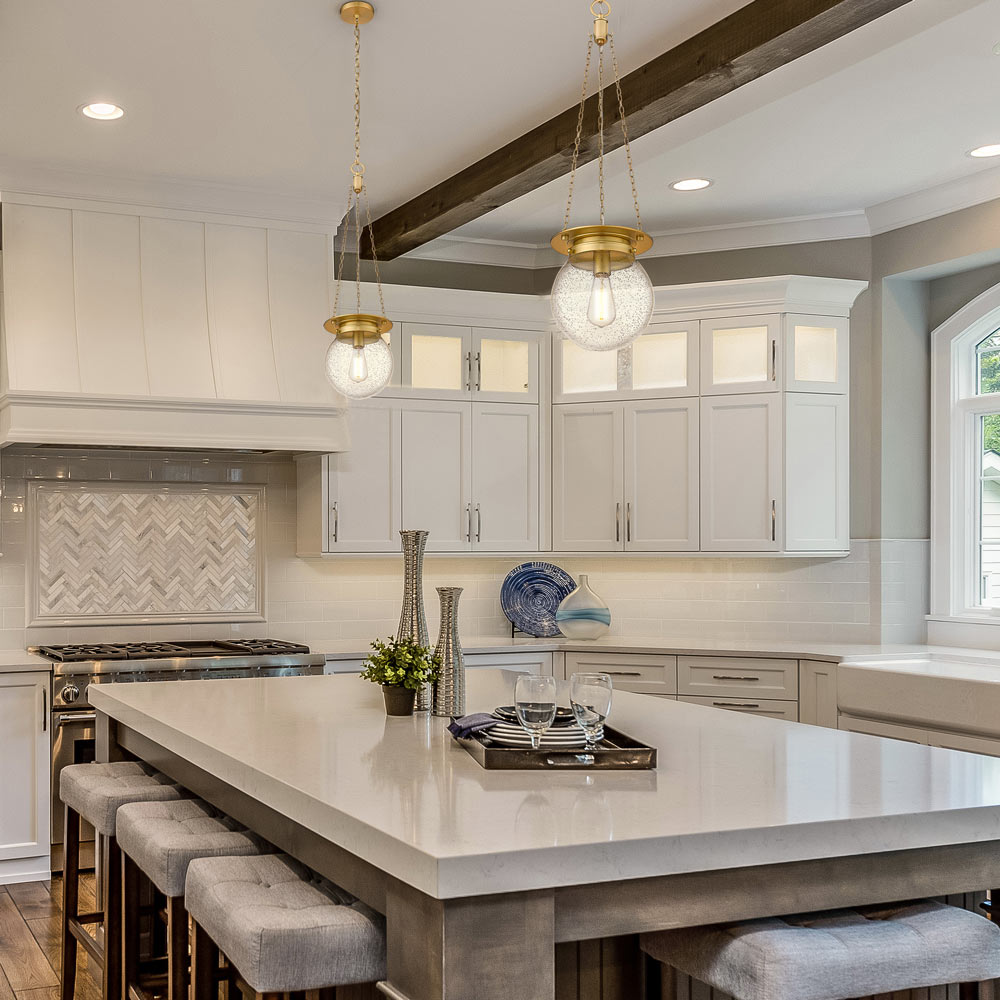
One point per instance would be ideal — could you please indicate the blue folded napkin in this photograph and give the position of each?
(467, 725)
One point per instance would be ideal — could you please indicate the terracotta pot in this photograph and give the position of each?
(398, 700)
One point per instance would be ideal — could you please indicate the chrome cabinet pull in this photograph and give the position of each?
(75, 717)
(774, 520)
(732, 677)
(336, 522)
(623, 673)
(45, 711)
(479, 524)
(618, 522)
(479, 371)
(774, 359)
(735, 704)
(468, 526)
(468, 371)
(628, 521)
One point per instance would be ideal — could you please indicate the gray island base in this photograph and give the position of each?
(510, 884)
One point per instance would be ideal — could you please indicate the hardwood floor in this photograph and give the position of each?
(29, 942)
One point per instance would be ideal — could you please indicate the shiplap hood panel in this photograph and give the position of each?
(123, 326)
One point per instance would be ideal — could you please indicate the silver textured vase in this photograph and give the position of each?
(412, 620)
(449, 690)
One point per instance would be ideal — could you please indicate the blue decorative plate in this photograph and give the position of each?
(531, 595)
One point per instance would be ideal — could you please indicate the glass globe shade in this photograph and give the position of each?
(579, 297)
(357, 374)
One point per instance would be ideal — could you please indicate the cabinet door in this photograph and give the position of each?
(436, 446)
(816, 353)
(817, 472)
(741, 354)
(505, 477)
(661, 475)
(587, 477)
(437, 360)
(24, 765)
(818, 693)
(741, 473)
(364, 484)
(579, 375)
(505, 365)
(664, 361)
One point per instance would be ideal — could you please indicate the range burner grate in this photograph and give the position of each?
(79, 652)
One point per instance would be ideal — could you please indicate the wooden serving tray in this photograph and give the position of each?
(617, 752)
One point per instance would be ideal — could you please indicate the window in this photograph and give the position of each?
(965, 462)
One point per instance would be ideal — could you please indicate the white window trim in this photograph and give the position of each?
(955, 412)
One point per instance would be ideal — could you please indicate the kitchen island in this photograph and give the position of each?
(484, 875)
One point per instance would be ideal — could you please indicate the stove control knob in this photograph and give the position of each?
(70, 693)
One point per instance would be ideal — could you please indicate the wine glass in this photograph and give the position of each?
(535, 704)
(590, 698)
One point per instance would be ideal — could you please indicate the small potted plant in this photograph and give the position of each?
(402, 667)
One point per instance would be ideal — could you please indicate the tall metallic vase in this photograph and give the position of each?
(449, 691)
(412, 620)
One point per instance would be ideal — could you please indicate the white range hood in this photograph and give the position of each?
(155, 328)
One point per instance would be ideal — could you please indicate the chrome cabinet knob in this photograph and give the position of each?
(70, 693)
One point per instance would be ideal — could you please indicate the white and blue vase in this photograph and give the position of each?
(582, 614)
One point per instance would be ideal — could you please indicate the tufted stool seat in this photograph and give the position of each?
(284, 928)
(837, 954)
(95, 792)
(160, 839)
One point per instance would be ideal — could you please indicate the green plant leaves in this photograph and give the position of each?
(401, 663)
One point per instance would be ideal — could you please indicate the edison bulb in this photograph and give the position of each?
(601, 309)
(359, 372)
(602, 312)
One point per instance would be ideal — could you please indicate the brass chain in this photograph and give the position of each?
(621, 115)
(357, 265)
(343, 251)
(371, 237)
(357, 167)
(600, 127)
(579, 133)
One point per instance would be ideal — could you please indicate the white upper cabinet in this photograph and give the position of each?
(816, 353)
(444, 361)
(740, 354)
(741, 473)
(505, 477)
(436, 479)
(588, 477)
(662, 362)
(661, 475)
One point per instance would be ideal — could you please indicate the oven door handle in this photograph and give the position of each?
(70, 717)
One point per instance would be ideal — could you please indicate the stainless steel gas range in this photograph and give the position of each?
(77, 667)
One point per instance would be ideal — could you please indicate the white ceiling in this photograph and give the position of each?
(245, 105)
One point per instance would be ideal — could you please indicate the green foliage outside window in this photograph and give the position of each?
(989, 381)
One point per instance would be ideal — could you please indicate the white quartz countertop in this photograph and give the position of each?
(730, 790)
(17, 661)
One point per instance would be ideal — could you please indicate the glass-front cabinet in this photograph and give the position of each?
(440, 361)
(740, 354)
(662, 362)
(816, 353)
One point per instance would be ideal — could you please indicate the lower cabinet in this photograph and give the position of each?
(24, 776)
(986, 745)
(642, 673)
(787, 710)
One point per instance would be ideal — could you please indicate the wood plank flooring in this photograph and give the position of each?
(29, 942)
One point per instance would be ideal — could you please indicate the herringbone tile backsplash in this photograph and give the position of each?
(121, 552)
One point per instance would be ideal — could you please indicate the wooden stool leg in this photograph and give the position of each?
(177, 949)
(71, 900)
(131, 926)
(204, 965)
(113, 923)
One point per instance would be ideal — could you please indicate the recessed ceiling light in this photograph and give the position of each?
(982, 151)
(102, 111)
(691, 184)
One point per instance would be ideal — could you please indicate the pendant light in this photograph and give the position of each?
(602, 297)
(359, 361)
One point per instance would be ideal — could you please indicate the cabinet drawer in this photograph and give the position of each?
(771, 709)
(738, 677)
(526, 663)
(644, 673)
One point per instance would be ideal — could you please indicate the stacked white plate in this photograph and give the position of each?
(563, 738)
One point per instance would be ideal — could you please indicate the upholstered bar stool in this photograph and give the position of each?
(95, 792)
(160, 840)
(282, 928)
(838, 954)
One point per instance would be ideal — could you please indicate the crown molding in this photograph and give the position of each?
(171, 194)
(932, 202)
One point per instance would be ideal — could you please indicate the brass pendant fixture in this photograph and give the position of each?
(602, 297)
(359, 361)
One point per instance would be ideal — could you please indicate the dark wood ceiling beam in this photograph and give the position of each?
(751, 42)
